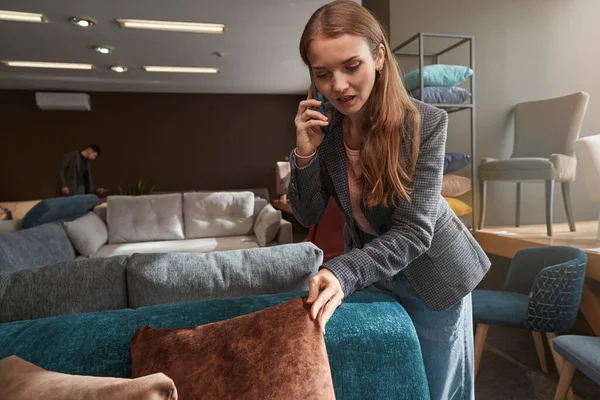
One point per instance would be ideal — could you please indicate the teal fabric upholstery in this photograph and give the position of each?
(438, 75)
(581, 351)
(59, 209)
(500, 308)
(36, 247)
(372, 345)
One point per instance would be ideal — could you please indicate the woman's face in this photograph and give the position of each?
(344, 70)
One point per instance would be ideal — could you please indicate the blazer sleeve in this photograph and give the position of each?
(307, 191)
(413, 222)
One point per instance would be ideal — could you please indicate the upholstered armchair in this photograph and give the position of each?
(588, 160)
(543, 151)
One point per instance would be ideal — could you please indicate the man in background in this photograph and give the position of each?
(75, 174)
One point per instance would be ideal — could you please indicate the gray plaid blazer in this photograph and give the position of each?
(422, 238)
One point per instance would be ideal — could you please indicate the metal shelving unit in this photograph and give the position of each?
(449, 108)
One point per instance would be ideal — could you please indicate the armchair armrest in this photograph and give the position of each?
(284, 235)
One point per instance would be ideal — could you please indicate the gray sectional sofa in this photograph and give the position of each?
(39, 277)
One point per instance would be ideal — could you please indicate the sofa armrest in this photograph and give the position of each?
(285, 232)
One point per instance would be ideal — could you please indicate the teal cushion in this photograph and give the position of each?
(371, 342)
(500, 308)
(59, 209)
(438, 75)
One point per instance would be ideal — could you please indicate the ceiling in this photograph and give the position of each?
(260, 46)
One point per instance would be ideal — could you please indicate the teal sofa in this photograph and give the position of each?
(372, 346)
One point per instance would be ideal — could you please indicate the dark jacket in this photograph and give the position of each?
(72, 174)
(422, 238)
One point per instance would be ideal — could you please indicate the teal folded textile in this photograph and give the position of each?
(371, 342)
(438, 75)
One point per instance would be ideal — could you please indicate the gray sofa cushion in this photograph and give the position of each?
(174, 277)
(64, 288)
(34, 247)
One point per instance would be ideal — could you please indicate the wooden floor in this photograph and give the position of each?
(507, 240)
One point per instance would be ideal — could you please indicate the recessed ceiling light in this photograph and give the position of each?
(37, 64)
(83, 22)
(188, 70)
(118, 68)
(104, 49)
(21, 16)
(196, 27)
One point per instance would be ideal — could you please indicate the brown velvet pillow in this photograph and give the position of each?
(275, 353)
(22, 380)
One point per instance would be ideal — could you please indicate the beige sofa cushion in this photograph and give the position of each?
(204, 245)
(144, 218)
(218, 214)
(87, 233)
(267, 225)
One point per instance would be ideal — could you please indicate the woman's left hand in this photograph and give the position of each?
(329, 298)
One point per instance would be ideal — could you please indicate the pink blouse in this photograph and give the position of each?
(352, 157)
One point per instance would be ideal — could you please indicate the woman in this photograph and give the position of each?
(380, 154)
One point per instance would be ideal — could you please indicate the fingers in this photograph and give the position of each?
(310, 92)
(327, 311)
(321, 300)
(313, 291)
(313, 114)
(307, 105)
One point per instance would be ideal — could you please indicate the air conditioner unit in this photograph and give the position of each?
(63, 101)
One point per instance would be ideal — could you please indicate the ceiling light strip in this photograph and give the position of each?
(172, 26)
(21, 16)
(36, 64)
(188, 70)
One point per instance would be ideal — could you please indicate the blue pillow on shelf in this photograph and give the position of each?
(438, 75)
(442, 94)
(455, 161)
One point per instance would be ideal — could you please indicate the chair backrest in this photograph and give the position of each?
(551, 126)
(587, 151)
(554, 277)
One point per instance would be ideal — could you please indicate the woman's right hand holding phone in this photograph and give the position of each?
(308, 128)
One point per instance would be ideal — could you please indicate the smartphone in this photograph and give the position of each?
(318, 96)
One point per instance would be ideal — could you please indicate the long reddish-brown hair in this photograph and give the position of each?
(392, 120)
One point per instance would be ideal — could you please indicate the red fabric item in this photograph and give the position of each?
(328, 233)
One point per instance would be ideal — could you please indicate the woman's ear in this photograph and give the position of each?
(380, 55)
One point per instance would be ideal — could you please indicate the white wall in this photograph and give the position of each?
(525, 50)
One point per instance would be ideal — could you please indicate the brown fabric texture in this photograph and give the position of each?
(22, 380)
(275, 353)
